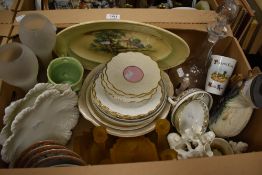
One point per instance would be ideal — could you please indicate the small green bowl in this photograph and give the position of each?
(64, 70)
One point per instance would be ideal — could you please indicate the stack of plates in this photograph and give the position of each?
(130, 111)
(48, 154)
(129, 88)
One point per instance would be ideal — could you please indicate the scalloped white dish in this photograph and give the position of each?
(124, 110)
(113, 93)
(52, 117)
(83, 107)
(133, 73)
(131, 121)
(28, 101)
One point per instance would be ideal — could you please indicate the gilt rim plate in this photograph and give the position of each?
(82, 104)
(97, 42)
(101, 99)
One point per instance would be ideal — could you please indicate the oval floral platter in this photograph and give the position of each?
(97, 42)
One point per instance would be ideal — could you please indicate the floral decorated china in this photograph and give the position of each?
(97, 42)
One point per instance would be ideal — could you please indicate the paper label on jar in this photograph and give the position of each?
(180, 72)
(113, 16)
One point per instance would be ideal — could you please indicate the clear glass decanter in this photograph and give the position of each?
(192, 73)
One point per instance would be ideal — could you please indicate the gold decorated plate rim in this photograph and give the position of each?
(119, 115)
(129, 94)
(134, 133)
(114, 73)
(128, 99)
(139, 119)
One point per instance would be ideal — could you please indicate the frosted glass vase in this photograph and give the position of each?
(39, 34)
(18, 66)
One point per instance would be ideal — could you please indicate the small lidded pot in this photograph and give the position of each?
(191, 110)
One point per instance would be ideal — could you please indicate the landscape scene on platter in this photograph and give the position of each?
(116, 41)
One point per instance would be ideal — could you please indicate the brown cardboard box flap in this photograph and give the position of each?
(165, 18)
(6, 17)
(140, 15)
(5, 29)
(249, 163)
(15, 5)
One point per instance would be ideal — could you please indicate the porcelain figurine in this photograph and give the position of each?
(191, 145)
(238, 147)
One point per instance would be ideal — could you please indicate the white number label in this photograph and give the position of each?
(180, 72)
(113, 16)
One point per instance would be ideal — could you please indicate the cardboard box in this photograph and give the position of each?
(5, 31)
(161, 17)
(6, 17)
(180, 23)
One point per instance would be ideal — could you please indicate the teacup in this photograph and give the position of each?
(66, 70)
(186, 104)
(219, 73)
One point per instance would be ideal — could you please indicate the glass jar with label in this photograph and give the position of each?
(192, 73)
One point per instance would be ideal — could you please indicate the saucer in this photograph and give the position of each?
(133, 73)
(83, 103)
(124, 110)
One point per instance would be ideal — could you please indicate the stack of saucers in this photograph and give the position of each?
(47, 153)
(129, 93)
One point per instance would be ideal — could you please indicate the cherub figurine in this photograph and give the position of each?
(191, 145)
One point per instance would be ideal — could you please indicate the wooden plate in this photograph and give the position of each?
(33, 152)
(49, 153)
(58, 160)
